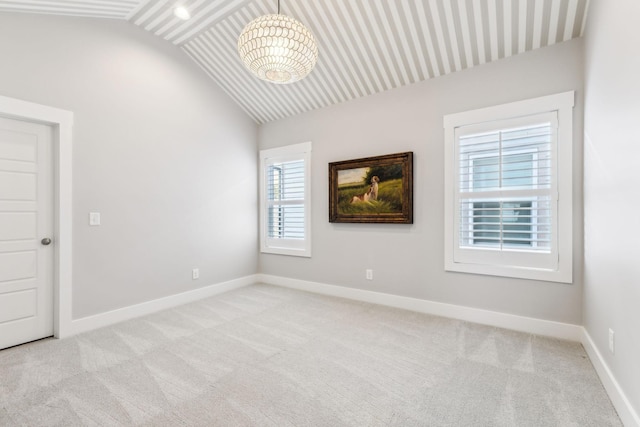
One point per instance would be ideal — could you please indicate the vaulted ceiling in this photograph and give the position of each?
(365, 46)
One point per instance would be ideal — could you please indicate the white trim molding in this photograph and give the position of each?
(623, 406)
(61, 122)
(276, 157)
(126, 313)
(556, 265)
(530, 325)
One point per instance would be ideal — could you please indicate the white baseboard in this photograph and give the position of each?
(619, 399)
(111, 317)
(502, 320)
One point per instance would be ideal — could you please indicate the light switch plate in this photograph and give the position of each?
(94, 218)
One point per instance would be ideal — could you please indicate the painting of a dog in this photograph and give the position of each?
(372, 194)
(374, 189)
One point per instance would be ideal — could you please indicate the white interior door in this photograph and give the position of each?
(26, 222)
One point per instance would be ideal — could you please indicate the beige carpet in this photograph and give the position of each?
(271, 356)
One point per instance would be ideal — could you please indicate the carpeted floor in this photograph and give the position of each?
(269, 356)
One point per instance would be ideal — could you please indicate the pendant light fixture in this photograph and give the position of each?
(278, 48)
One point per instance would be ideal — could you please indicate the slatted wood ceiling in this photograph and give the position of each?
(366, 46)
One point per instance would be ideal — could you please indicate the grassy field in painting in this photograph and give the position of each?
(389, 198)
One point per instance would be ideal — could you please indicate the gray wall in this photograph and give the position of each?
(612, 219)
(408, 259)
(166, 157)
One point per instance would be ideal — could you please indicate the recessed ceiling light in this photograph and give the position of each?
(181, 12)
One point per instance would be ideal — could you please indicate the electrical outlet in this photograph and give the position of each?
(612, 336)
(94, 218)
(195, 274)
(369, 274)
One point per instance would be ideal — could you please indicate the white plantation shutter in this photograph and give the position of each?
(508, 207)
(506, 185)
(285, 200)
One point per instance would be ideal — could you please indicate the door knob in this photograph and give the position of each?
(46, 241)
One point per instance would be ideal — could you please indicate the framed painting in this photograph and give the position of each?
(372, 190)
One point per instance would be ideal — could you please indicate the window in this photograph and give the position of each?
(505, 184)
(284, 196)
(508, 203)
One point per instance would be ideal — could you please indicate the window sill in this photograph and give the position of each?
(560, 276)
(286, 251)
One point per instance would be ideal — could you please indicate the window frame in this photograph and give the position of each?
(285, 246)
(518, 263)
